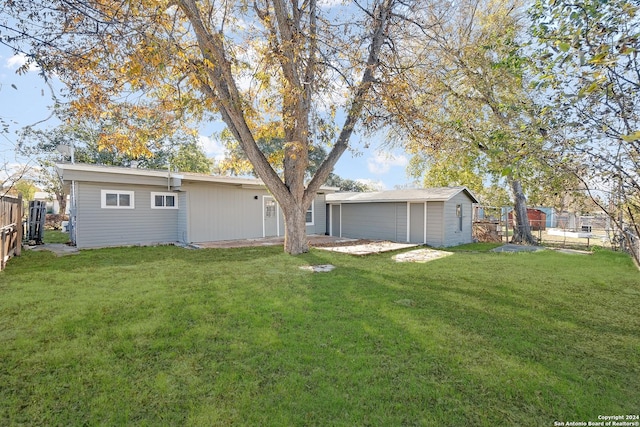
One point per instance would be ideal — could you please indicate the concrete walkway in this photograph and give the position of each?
(60, 249)
(315, 240)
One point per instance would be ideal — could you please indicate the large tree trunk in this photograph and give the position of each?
(522, 228)
(295, 229)
(62, 202)
(298, 55)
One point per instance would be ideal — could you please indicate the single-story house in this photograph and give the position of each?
(117, 206)
(434, 216)
(53, 207)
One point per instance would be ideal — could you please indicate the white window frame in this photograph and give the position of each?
(103, 199)
(313, 214)
(459, 216)
(164, 195)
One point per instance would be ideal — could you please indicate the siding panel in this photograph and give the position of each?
(401, 222)
(98, 227)
(376, 221)
(435, 222)
(453, 234)
(335, 220)
(320, 216)
(219, 212)
(416, 229)
(183, 217)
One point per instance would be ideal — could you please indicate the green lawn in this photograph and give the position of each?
(169, 336)
(55, 236)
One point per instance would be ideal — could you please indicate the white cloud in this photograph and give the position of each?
(380, 163)
(17, 61)
(12, 171)
(331, 3)
(212, 148)
(374, 185)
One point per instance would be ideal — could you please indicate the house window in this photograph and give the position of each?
(270, 208)
(459, 215)
(309, 215)
(164, 201)
(117, 199)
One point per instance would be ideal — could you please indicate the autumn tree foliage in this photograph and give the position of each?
(269, 67)
(237, 163)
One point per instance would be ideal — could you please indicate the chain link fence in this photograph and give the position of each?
(564, 229)
(628, 241)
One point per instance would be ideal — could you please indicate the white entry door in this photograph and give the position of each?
(270, 217)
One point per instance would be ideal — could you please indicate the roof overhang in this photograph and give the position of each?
(99, 173)
(419, 195)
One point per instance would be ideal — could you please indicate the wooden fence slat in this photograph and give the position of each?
(11, 228)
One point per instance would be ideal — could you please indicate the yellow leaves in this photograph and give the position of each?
(263, 77)
(634, 136)
(235, 166)
(267, 131)
(276, 158)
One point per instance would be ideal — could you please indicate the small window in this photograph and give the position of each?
(164, 201)
(309, 215)
(459, 215)
(117, 199)
(269, 208)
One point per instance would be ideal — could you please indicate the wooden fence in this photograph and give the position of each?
(11, 228)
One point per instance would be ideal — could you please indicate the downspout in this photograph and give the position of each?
(408, 221)
(72, 211)
(72, 215)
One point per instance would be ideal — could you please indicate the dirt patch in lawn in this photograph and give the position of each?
(421, 255)
(366, 247)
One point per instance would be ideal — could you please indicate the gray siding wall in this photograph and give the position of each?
(98, 227)
(223, 212)
(207, 212)
(417, 223)
(453, 235)
(376, 221)
(435, 222)
(183, 217)
(335, 220)
(401, 222)
(320, 216)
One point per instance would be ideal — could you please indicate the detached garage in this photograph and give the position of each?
(434, 216)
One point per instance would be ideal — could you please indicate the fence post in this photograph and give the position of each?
(10, 228)
(4, 251)
(19, 228)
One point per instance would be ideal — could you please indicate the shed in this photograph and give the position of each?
(117, 206)
(537, 219)
(434, 216)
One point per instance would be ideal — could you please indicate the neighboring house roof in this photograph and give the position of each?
(42, 195)
(438, 194)
(71, 171)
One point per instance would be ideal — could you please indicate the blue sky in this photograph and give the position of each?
(26, 100)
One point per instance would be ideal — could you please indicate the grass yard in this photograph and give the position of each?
(168, 336)
(55, 236)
